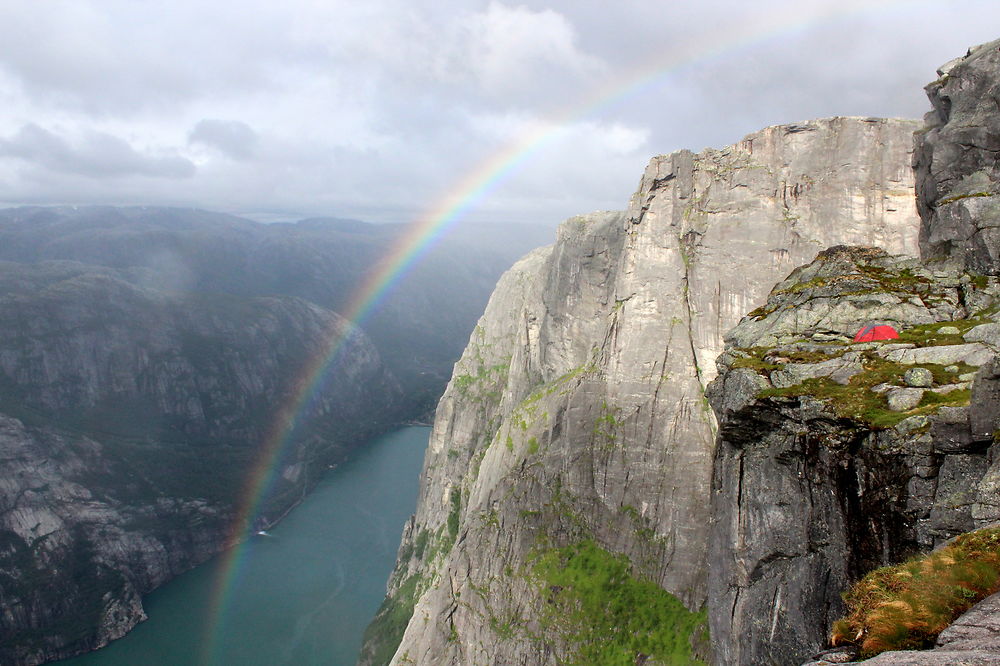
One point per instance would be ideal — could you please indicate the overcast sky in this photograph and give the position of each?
(379, 109)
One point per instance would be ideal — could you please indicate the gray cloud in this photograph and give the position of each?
(387, 109)
(233, 138)
(96, 154)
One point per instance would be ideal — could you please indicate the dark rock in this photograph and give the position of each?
(955, 162)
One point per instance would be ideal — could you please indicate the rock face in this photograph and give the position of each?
(958, 183)
(577, 413)
(821, 478)
(129, 419)
(835, 458)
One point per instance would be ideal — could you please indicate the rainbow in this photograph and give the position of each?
(425, 231)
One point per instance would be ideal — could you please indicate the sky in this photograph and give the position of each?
(381, 110)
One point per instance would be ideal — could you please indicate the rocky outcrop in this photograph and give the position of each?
(958, 183)
(820, 474)
(576, 418)
(129, 420)
(834, 457)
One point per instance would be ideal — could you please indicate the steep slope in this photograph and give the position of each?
(575, 426)
(836, 458)
(129, 420)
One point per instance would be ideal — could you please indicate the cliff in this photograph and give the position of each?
(575, 436)
(129, 420)
(835, 457)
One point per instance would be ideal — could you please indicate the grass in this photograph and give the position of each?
(606, 614)
(906, 606)
(857, 401)
(384, 634)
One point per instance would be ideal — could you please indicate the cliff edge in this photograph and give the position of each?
(575, 435)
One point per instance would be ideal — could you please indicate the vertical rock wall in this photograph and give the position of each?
(958, 179)
(578, 412)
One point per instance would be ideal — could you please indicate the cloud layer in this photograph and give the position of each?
(380, 109)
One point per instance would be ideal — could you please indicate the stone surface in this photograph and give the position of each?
(956, 165)
(973, 353)
(808, 495)
(988, 334)
(903, 399)
(919, 378)
(630, 310)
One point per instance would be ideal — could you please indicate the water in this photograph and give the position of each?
(308, 588)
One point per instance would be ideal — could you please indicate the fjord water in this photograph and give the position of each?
(306, 591)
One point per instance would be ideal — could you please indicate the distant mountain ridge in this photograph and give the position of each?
(419, 329)
(147, 357)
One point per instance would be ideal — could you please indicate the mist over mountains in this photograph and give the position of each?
(153, 360)
(419, 328)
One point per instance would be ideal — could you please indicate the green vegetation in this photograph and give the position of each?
(926, 335)
(384, 634)
(959, 197)
(454, 513)
(906, 606)
(606, 614)
(606, 426)
(857, 401)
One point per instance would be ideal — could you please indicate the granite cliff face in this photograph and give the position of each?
(956, 164)
(836, 457)
(129, 419)
(575, 428)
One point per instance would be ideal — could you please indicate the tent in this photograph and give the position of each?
(873, 332)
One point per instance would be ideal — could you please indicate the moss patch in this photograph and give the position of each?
(384, 634)
(605, 614)
(857, 401)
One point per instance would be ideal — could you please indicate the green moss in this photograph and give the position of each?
(532, 446)
(959, 197)
(926, 335)
(383, 635)
(857, 401)
(603, 613)
(606, 425)
(454, 513)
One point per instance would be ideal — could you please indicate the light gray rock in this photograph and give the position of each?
(988, 334)
(633, 308)
(948, 330)
(918, 378)
(839, 370)
(948, 388)
(904, 399)
(974, 353)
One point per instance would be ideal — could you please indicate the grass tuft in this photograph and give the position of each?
(905, 607)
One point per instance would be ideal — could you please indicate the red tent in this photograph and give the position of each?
(874, 332)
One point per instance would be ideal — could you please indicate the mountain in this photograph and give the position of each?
(419, 327)
(153, 359)
(580, 501)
